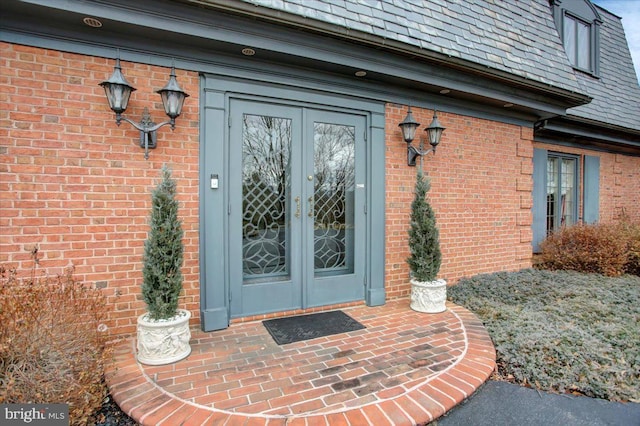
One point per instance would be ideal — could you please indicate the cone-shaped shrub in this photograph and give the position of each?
(424, 243)
(163, 252)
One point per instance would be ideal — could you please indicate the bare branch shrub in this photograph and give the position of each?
(631, 233)
(52, 349)
(608, 249)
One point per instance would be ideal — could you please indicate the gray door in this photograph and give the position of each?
(297, 201)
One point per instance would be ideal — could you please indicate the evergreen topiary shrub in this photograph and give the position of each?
(424, 243)
(163, 252)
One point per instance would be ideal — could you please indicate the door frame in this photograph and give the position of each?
(216, 94)
(300, 288)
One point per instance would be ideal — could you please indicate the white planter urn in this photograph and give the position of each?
(428, 296)
(163, 341)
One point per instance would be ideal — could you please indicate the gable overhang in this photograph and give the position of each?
(448, 61)
(198, 32)
(581, 132)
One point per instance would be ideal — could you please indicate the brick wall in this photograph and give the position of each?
(619, 177)
(76, 186)
(481, 183)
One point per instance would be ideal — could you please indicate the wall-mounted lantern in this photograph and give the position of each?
(409, 126)
(118, 91)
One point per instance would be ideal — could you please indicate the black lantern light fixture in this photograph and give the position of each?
(118, 91)
(409, 126)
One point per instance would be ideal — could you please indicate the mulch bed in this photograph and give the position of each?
(111, 415)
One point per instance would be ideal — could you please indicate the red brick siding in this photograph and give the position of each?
(619, 183)
(481, 183)
(76, 185)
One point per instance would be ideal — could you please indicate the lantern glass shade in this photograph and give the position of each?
(172, 96)
(434, 131)
(409, 126)
(118, 96)
(117, 89)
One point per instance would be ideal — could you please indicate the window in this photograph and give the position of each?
(577, 42)
(578, 24)
(562, 192)
(562, 184)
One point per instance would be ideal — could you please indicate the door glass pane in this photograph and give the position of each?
(567, 186)
(266, 183)
(333, 198)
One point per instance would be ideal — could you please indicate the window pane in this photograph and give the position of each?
(552, 191)
(569, 38)
(562, 193)
(583, 46)
(568, 197)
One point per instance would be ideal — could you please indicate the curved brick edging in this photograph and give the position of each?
(407, 402)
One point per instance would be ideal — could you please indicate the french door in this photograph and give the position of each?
(296, 207)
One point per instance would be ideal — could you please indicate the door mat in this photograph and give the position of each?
(305, 327)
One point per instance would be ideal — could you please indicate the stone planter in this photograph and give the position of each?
(163, 341)
(428, 296)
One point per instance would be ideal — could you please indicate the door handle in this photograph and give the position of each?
(297, 213)
(311, 212)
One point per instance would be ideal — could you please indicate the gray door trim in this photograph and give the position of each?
(216, 94)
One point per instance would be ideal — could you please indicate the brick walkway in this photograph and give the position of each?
(405, 368)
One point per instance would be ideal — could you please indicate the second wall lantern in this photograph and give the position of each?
(409, 126)
(118, 91)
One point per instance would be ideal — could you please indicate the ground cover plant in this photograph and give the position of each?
(561, 331)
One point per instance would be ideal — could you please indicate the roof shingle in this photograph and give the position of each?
(517, 37)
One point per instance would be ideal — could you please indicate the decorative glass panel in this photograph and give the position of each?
(333, 198)
(266, 182)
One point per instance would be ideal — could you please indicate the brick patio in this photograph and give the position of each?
(405, 368)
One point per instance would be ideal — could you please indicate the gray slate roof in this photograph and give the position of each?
(516, 36)
(616, 94)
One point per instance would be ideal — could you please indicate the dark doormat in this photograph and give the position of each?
(305, 327)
